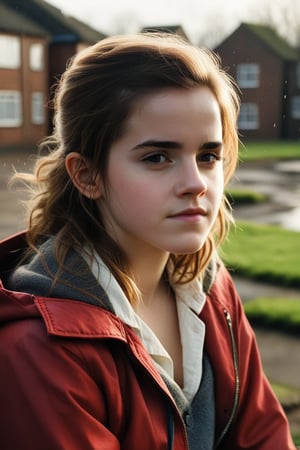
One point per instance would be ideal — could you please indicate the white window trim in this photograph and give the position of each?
(10, 52)
(298, 75)
(249, 117)
(12, 101)
(247, 75)
(36, 57)
(295, 107)
(37, 108)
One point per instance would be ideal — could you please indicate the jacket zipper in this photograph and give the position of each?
(171, 424)
(237, 378)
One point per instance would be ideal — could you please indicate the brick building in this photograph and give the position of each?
(36, 41)
(267, 71)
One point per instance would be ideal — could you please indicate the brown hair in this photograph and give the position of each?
(92, 103)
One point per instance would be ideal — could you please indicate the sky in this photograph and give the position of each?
(216, 18)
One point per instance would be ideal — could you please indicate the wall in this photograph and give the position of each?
(27, 81)
(244, 47)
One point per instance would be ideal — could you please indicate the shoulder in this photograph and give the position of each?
(223, 290)
(75, 318)
(34, 319)
(60, 317)
(60, 336)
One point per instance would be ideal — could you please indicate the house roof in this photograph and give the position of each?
(83, 30)
(12, 21)
(43, 16)
(275, 42)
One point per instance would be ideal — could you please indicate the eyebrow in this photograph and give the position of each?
(158, 144)
(211, 145)
(174, 145)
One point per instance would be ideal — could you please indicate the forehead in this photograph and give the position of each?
(174, 96)
(176, 111)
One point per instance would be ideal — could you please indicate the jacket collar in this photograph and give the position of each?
(73, 318)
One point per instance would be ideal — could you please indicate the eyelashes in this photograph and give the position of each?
(161, 158)
(157, 158)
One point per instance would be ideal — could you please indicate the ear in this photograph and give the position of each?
(83, 175)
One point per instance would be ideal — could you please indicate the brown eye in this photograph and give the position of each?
(209, 157)
(156, 158)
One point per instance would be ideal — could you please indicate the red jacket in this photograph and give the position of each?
(75, 377)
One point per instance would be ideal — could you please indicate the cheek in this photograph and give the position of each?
(128, 182)
(220, 189)
(128, 192)
(217, 185)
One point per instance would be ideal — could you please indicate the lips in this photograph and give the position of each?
(190, 216)
(190, 212)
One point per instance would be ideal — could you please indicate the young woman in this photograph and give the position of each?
(120, 326)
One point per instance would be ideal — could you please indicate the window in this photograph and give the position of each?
(10, 52)
(247, 75)
(248, 118)
(10, 109)
(298, 75)
(37, 108)
(295, 107)
(36, 57)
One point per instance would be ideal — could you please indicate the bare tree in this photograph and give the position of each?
(125, 22)
(284, 16)
(211, 36)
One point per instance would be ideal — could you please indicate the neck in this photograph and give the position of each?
(148, 275)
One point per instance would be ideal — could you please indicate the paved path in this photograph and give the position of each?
(12, 211)
(281, 183)
(249, 290)
(280, 352)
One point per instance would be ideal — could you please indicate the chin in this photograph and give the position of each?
(187, 249)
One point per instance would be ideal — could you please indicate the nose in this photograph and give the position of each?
(190, 180)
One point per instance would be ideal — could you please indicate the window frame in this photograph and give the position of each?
(10, 52)
(248, 75)
(12, 101)
(36, 57)
(295, 107)
(298, 75)
(249, 117)
(38, 108)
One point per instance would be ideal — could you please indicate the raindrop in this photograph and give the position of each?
(274, 125)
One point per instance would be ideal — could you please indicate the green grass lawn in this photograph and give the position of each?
(268, 253)
(237, 196)
(289, 398)
(287, 395)
(277, 313)
(251, 151)
(263, 252)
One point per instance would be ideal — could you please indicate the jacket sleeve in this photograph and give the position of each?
(49, 398)
(259, 423)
